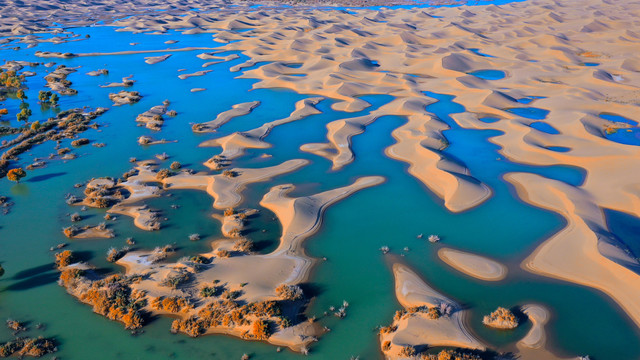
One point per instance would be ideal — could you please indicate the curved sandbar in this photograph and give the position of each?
(473, 265)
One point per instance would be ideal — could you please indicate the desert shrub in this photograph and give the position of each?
(388, 329)
(243, 245)
(160, 253)
(172, 304)
(75, 217)
(433, 313)
(230, 173)
(408, 351)
(209, 291)
(175, 165)
(163, 174)
(386, 346)
(98, 202)
(223, 253)
(229, 212)
(175, 280)
(70, 277)
(260, 329)
(289, 292)
(501, 318)
(15, 325)
(230, 294)
(199, 259)
(80, 142)
(64, 259)
(450, 355)
(113, 297)
(114, 254)
(35, 347)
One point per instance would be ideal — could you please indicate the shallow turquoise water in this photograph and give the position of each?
(391, 214)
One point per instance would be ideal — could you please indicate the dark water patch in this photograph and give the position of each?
(618, 118)
(590, 64)
(489, 74)
(625, 136)
(558, 148)
(529, 99)
(529, 112)
(489, 120)
(544, 127)
(477, 52)
(626, 227)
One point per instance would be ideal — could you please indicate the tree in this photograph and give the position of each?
(44, 96)
(54, 99)
(24, 114)
(16, 174)
(35, 126)
(21, 95)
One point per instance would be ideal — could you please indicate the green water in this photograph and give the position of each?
(584, 321)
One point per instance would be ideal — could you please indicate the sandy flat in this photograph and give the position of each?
(473, 265)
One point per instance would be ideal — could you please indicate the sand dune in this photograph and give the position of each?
(584, 251)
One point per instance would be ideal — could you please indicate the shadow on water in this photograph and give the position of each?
(34, 271)
(44, 177)
(34, 281)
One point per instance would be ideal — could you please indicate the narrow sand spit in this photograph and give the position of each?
(197, 73)
(149, 60)
(156, 59)
(473, 265)
(226, 116)
(234, 145)
(415, 328)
